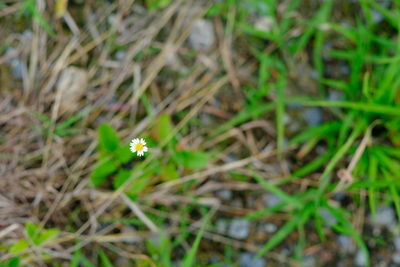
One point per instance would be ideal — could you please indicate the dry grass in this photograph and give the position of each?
(45, 176)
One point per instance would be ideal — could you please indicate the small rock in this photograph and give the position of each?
(155, 239)
(339, 196)
(345, 243)
(120, 55)
(72, 85)
(384, 217)
(27, 34)
(285, 252)
(327, 47)
(239, 229)
(247, 259)
(221, 226)
(264, 24)
(320, 149)
(344, 69)
(327, 216)
(313, 116)
(270, 228)
(335, 96)
(286, 119)
(112, 20)
(231, 157)
(397, 243)
(133, 239)
(360, 259)
(18, 67)
(225, 194)
(206, 119)
(272, 200)
(173, 61)
(256, 7)
(236, 203)
(377, 16)
(396, 258)
(202, 35)
(309, 261)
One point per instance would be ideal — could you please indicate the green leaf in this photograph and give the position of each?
(79, 260)
(108, 138)
(47, 235)
(19, 246)
(249, 112)
(104, 259)
(75, 259)
(163, 127)
(137, 187)
(361, 106)
(14, 262)
(297, 220)
(191, 159)
(121, 177)
(274, 189)
(189, 259)
(124, 154)
(100, 173)
(32, 231)
(157, 4)
(169, 172)
(280, 110)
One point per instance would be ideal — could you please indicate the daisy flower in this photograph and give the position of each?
(138, 146)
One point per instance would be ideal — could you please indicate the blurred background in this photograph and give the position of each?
(273, 130)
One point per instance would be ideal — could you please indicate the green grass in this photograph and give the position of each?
(371, 96)
(370, 107)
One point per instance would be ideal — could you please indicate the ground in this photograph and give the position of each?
(273, 130)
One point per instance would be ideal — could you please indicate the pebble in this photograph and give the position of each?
(345, 243)
(225, 194)
(377, 16)
(17, 66)
(256, 7)
(239, 229)
(396, 258)
(339, 196)
(206, 119)
(221, 226)
(155, 239)
(384, 217)
(335, 96)
(397, 243)
(27, 34)
(202, 35)
(329, 219)
(272, 200)
(236, 203)
(231, 157)
(264, 24)
(247, 259)
(320, 149)
(112, 20)
(120, 55)
(173, 61)
(360, 259)
(344, 69)
(270, 228)
(313, 116)
(309, 261)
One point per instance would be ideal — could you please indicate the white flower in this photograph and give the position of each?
(138, 146)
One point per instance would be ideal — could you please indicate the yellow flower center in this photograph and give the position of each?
(139, 147)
